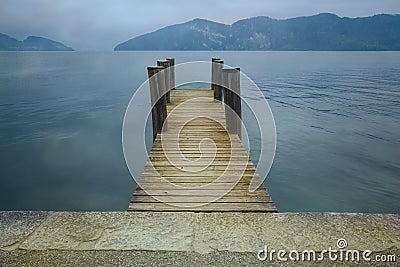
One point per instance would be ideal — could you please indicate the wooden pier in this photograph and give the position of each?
(184, 168)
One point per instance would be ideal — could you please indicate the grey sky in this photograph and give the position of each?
(102, 24)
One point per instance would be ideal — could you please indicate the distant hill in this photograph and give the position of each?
(320, 32)
(32, 43)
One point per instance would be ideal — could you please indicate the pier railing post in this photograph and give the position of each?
(231, 80)
(172, 73)
(167, 75)
(216, 77)
(158, 98)
(213, 72)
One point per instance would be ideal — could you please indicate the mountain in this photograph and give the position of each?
(32, 43)
(319, 32)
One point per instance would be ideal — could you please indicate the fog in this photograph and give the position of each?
(101, 24)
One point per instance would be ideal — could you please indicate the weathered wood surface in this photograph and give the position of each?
(225, 154)
(157, 97)
(233, 107)
(167, 72)
(216, 77)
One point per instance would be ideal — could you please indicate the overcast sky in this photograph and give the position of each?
(102, 24)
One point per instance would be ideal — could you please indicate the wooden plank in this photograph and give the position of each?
(169, 149)
(187, 182)
(194, 186)
(175, 177)
(214, 193)
(193, 179)
(173, 171)
(228, 177)
(221, 158)
(238, 161)
(182, 145)
(196, 153)
(206, 173)
(231, 207)
(202, 199)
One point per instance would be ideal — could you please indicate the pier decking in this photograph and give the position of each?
(194, 118)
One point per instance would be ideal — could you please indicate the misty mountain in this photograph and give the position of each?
(319, 32)
(32, 43)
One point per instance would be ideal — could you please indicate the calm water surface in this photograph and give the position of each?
(337, 116)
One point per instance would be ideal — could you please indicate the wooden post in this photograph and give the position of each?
(166, 65)
(172, 72)
(231, 82)
(216, 77)
(213, 72)
(158, 99)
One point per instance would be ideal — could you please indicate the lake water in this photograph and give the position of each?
(337, 116)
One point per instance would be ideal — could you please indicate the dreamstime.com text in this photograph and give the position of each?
(334, 254)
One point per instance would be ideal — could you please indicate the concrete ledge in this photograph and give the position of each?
(186, 235)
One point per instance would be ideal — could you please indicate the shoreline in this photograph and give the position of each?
(179, 238)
